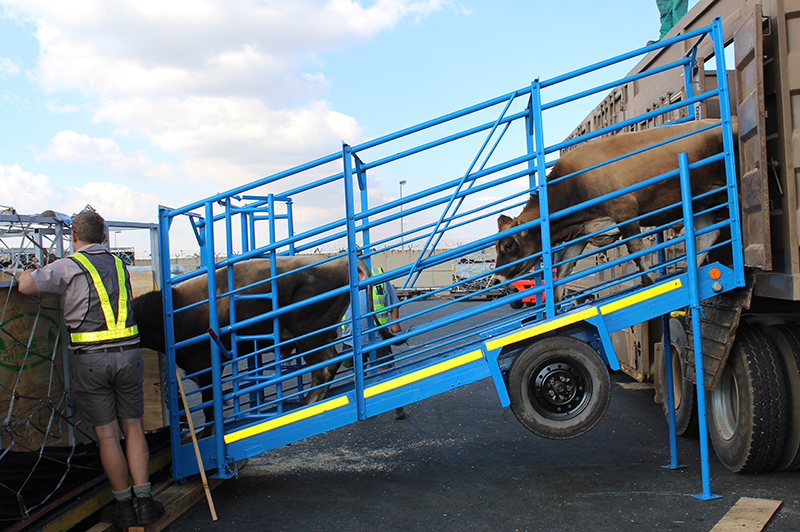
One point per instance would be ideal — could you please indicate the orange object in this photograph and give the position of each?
(714, 273)
(524, 284)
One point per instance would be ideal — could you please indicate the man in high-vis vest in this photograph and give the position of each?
(107, 369)
(383, 295)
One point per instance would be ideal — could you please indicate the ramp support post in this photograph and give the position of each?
(694, 294)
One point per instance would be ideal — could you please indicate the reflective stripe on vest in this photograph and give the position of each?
(115, 328)
(379, 300)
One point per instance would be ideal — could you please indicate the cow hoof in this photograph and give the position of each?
(399, 413)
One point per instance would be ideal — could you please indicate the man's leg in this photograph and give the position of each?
(111, 455)
(148, 510)
(136, 450)
(679, 8)
(123, 513)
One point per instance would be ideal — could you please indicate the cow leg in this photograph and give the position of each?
(635, 245)
(207, 393)
(321, 376)
(704, 241)
(569, 252)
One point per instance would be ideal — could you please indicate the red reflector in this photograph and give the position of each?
(714, 273)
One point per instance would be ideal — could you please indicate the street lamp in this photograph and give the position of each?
(403, 182)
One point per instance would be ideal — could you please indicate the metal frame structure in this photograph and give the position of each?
(257, 393)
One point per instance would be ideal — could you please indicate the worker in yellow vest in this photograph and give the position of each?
(107, 368)
(383, 295)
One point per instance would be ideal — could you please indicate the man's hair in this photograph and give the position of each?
(89, 227)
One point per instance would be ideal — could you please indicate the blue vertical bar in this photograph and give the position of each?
(290, 222)
(670, 386)
(245, 232)
(529, 143)
(228, 204)
(276, 326)
(164, 222)
(666, 342)
(355, 311)
(361, 175)
(727, 142)
(544, 210)
(694, 295)
(213, 323)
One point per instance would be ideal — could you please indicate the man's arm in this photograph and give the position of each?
(26, 285)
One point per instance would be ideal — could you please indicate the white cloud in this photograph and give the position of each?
(71, 147)
(8, 68)
(208, 48)
(53, 107)
(35, 193)
(232, 140)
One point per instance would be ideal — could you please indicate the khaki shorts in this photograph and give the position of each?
(106, 386)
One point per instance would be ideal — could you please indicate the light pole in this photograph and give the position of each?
(115, 238)
(403, 182)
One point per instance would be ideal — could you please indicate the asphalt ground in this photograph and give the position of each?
(461, 462)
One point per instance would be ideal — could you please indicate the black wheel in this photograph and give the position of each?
(685, 401)
(516, 305)
(559, 387)
(747, 410)
(787, 341)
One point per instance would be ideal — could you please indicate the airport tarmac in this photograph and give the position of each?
(461, 462)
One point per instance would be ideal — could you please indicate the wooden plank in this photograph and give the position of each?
(176, 500)
(747, 515)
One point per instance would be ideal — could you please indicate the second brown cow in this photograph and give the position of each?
(602, 180)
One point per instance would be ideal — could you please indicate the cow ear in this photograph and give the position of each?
(503, 222)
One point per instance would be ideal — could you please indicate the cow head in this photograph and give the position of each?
(514, 247)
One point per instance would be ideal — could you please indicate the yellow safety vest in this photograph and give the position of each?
(378, 300)
(115, 329)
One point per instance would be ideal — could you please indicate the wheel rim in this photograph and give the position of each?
(558, 389)
(725, 404)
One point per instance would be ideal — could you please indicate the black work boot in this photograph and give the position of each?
(121, 513)
(149, 510)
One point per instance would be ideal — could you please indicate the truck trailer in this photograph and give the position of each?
(750, 336)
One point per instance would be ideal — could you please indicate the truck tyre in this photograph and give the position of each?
(559, 387)
(787, 341)
(747, 410)
(684, 389)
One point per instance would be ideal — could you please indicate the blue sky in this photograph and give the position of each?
(126, 105)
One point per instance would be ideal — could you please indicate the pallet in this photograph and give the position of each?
(176, 500)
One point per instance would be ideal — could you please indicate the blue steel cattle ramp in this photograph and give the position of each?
(478, 162)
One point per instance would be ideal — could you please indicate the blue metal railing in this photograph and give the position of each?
(330, 205)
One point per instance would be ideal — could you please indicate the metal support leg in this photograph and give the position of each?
(673, 437)
(691, 267)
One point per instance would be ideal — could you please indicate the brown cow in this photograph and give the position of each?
(606, 179)
(292, 288)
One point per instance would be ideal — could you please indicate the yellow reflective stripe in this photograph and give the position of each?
(542, 328)
(105, 302)
(641, 296)
(116, 328)
(584, 314)
(122, 306)
(441, 367)
(294, 417)
(99, 336)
